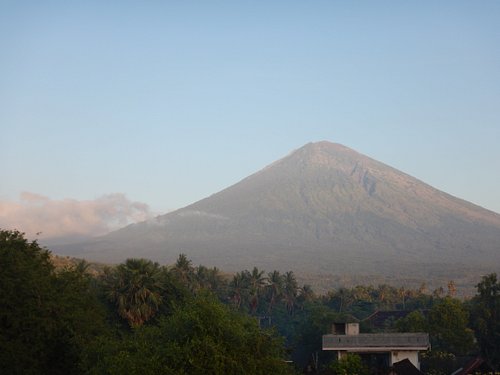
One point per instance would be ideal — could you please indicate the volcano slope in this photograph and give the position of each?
(324, 209)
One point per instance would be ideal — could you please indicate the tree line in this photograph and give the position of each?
(141, 317)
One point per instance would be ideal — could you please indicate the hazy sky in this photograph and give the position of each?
(168, 102)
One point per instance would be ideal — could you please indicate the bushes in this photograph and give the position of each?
(349, 364)
(200, 337)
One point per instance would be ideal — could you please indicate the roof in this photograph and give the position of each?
(470, 366)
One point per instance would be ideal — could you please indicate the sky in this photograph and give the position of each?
(116, 111)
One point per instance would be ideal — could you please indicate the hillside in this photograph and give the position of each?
(323, 209)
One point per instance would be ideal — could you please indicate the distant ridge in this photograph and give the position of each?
(324, 208)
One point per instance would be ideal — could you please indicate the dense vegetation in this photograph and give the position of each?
(140, 317)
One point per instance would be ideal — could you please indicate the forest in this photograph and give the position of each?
(140, 317)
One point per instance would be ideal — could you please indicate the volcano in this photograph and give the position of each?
(323, 209)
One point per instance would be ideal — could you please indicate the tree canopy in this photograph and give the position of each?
(46, 318)
(201, 337)
(486, 319)
(142, 318)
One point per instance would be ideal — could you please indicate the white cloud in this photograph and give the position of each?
(34, 213)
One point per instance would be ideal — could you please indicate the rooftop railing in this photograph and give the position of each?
(376, 340)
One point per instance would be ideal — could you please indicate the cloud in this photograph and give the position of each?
(49, 218)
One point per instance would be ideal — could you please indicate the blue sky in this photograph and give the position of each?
(170, 101)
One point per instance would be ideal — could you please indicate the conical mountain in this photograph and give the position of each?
(322, 209)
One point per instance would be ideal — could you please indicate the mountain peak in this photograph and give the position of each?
(324, 146)
(322, 154)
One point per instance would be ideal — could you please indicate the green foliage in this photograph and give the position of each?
(201, 337)
(447, 323)
(274, 288)
(135, 287)
(52, 321)
(306, 330)
(413, 322)
(238, 289)
(211, 279)
(448, 326)
(436, 362)
(27, 300)
(486, 319)
(291, 289)
(349, 364)
(256, 284)
(184, 271)
(46, 318)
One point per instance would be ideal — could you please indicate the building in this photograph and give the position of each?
(382, 349)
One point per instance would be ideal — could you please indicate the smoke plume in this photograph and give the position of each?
(45, 218)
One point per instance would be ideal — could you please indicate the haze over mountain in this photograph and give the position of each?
(323, 209)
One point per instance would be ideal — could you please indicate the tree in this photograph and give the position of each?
(349, 364)
(305, 331)
(80, 312)
(27, 300)
(413, 322)
(387, 296)
(201, 337)
(135, 288)
(274, 287)
(46, 318)
(403, 293)
(448, 326)
(290, 291)
(210, 279)
(306, 294)
(256, 283)
(362, 293)
(346, 298)
(486, 319)
(184, 271)
(238, 288)
(452, 289)
(438, 292)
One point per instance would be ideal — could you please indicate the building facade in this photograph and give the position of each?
(389, 348)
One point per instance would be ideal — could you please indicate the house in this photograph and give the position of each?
(381, 349)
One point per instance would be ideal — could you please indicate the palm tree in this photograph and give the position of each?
(346, 298)
(256, 283)
(362, 293)
(386, 296)
(403, 293)
(217, 281)
(238, 288)
(184, 271)
(306, 294)
(275, 288)
(209, 278)
(452, 289)
(290, 291)
(201, 277)
(135, 288)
